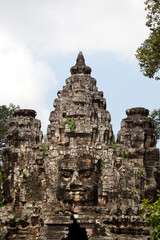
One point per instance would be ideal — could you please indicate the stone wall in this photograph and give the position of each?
(78, 183)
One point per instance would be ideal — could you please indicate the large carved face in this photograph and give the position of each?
(78, 180)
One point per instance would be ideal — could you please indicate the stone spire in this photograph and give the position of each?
(81, 102)
(80, 67)
(78, 183)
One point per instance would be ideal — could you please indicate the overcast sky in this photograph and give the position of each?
(40, 40)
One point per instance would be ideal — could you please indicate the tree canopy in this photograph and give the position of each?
(5, 115)
(155, 115)
(148, 53)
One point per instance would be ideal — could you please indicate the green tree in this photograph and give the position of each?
(155, 115)
(5, 115)
(151, 212)
(148, 53)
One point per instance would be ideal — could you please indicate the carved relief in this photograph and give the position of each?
(78, 181)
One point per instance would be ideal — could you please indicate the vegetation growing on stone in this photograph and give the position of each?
(56, 211)
(151, 213)
(113, 142)
(141, 173)
(44, 146)
(71, 124)
(20, 171)
(124, 154)
(135, 193)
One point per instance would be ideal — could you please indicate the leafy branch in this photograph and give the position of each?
(151, 212)
(44, 146)
(113, 142)
(155, 115)
(124, 154)
(148, 54)
(71, 124)
(141, 173)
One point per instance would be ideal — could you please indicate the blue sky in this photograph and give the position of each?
(40, 40)
(121, 81)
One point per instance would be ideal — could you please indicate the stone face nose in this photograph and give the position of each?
(75, 183)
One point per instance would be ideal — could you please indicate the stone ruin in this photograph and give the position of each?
(78, 184)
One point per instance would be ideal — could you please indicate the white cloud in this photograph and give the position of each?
(23, 81)
(73, 25)
(41, 28)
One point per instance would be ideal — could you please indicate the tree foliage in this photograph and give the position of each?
(155, 115)
(148, 53)
(151, 212)
(71, 124)
(5, 115)
(44, 146)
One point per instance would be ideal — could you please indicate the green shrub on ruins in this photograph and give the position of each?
(151, 212)
(141, 173)
(113, 142)
(44, 146)
(124, 154)
(71, 125)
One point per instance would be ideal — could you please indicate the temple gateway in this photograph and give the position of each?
(78, 184)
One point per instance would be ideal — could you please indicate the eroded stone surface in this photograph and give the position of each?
(78, 184)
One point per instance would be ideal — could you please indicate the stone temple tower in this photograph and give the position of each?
(78, 183)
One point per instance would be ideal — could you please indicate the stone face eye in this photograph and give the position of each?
(86, 174)
(66, 175)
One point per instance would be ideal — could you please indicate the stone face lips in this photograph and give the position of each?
(78, 183)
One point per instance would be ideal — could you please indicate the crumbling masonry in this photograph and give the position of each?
(78, 184)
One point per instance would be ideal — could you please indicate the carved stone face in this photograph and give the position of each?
(118, 162)
(78, 180)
